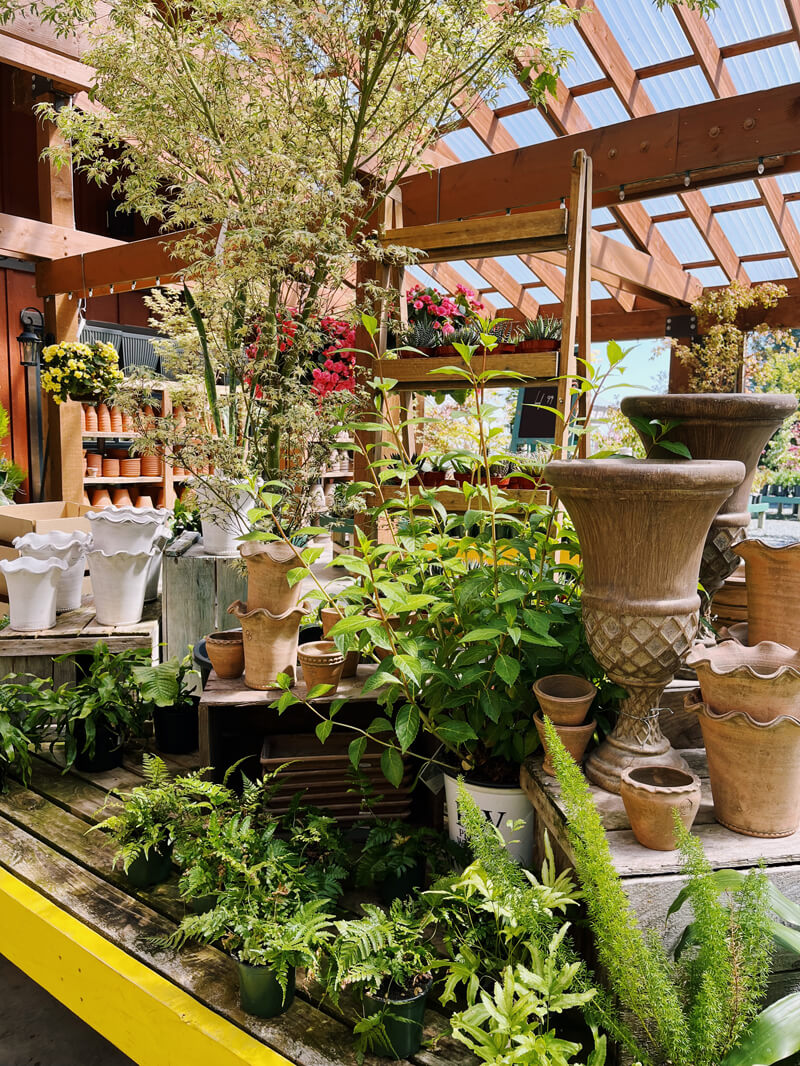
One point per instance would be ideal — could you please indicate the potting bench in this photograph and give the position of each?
(34, 653)
(71, 922)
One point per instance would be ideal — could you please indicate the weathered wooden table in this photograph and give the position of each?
(72, 923)
(34, 653)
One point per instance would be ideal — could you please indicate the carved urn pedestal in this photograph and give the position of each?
(641, 526)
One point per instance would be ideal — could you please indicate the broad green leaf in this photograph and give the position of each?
(482, 634)
(356, 750)
(392, 766)
(407, 725)
(379, 725)
(675, 447)
(323, 730)
(507, 668)
(773, 1036)
(455, 732)
(317, 691)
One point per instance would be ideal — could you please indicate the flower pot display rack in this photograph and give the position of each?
(565, 229)
(92, 933)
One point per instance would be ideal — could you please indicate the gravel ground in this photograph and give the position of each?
(776, 531)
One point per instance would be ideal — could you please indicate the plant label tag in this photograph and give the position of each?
(433, 778)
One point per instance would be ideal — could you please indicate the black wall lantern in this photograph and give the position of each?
(31, 340)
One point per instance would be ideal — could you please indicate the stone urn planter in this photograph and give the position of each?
(575, 739)
(225, 649)
(119, 580)
(641, 526)
(322, 664)
(270, 643)
(223, 507)
(71, 548)
(754, 770)
(328, 617)
(564, 698)
(267, 582)
(762, 681)
(124, 529)
(32, 591)
(651, 794)
(772, 576)
(717, 426)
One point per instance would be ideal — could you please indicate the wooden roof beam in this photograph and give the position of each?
(449, 278)
(66, 73)
(28, 239)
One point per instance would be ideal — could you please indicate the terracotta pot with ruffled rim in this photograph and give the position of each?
(717, 426)
(651, 794)
(754, 770)
(328, 617)
(270, 643)
(772, 576)
(564, 698)
(575, 739)
(762, 681)
(268, 566)
(322, 664)
(225, 649)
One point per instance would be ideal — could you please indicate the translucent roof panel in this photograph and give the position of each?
(750, 231)
(528, 127)
(685, 240)
(732, 193)
(662, 205)
(466, 144)
(601, 216)
(583, 66)
(711, 275)
(472, 277)
(766, 69)
(511, 93)
(770, 270)
(516, 268)
(600, 292)
(542, 295)
(645, 34)
(743, 20)
(679, 88)
(788, 183)
(603, 108)
(619, 235)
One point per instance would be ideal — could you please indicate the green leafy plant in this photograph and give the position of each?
(394, 847)
(540, 328)
(21, 731)
(164, 684)
(657, 433)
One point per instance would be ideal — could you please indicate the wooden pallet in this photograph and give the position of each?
(74, 925)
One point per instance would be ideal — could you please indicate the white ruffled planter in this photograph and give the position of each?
(154, 569)
(223, 507)
(32, 590)
(71, 549)
(500, 806)
(125, 529)
(119, 580)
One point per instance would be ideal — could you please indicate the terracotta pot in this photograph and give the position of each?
(121, 498)
(161, 498)
(773, 592)
(754, 769)
(103, 418)
(151, 466)
(144, 502)
(267, 583)
(322, 664)
(641, 526)
(130, 467)
(90, 417)
(575, 739)
(717, 426)
(94, 464)
(537, 346)
(270, 643)
(651, 794)
(100, 499)
(737, 632)
(762, 681)
(128, 424)
(564, 698)
(225, 649)
(110, 467)
(116, 419)
(328, 617)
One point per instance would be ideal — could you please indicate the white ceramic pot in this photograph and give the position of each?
(154, 569)
(124, 529)
(32, 590)
(223, 507)
(119, 580)
(500, 805)
(71, 548)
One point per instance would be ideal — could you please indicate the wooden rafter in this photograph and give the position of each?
(25, 238)
(449, 278)
(66, 73)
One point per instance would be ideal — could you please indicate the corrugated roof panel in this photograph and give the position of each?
(766, 69)
(601, 216)
(472, 277)
(678, 88)
(771, 270)
(711, 276)
(685, 240)
(619, 235)
(528, 127)
(750, 231)
(645, 34)
(731, 194)
(788, 183)
(794, 211)
(603, 108)
(542, 295)
(743, 20)
(466, 144)
(516, 268)
(662, 205)
(599, 291)
(583, 66)
(510, 93)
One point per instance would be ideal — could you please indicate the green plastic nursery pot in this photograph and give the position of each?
(259, 991)
(402, 1024)
(398, 886)
(152, 868)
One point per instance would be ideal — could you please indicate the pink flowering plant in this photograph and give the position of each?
(429, 308)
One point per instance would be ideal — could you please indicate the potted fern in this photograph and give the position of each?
(174, 708)
(394, 857)
(387, 957)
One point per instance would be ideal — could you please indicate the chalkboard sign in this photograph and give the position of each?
(533, 423)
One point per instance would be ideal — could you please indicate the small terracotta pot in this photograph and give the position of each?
(270, 643)
(322, 664)
(328, 617)
(128, 425)
(83, 418)
(100, 499)
(110, 467)
(91, 418)
(225, 649)
(151, 466)
(130, 467)
(103, 419)
(94, 464)
(564, 698)
(762, 681)
(651, 793)
(754, 769)
(772, 576)
(161, 498)
(144, 500)
(121, 498)
(116, 419)
(575, 739)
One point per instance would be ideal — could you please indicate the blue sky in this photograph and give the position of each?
(646, 370)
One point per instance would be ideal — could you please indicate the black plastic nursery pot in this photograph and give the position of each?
(176, 729)
(402, 1023)
(259, 991)
(202, 904)
(152, 868)
(400, 885)
(107, 749)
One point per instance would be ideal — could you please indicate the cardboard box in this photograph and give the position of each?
(18, 519)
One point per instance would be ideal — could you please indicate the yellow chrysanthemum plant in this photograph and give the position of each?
(75, 371)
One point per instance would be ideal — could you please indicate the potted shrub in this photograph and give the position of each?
(387, 957)
(395, 855)
(174, 707)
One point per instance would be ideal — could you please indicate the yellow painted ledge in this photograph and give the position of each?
(147, 1017)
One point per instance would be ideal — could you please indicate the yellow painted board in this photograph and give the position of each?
(147, 1017)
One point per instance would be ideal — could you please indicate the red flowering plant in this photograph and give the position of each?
(338, 358)
(430, 308)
